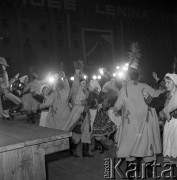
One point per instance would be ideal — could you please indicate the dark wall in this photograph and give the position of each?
(43, 37)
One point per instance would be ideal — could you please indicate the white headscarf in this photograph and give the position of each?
(22, 79)
(95, 85)
(173, 77)
(42, 87)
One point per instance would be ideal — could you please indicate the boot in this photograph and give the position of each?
(98, 146)
(85, 150)
(105, 147)
(73, 150)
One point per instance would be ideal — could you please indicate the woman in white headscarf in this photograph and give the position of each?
(59, 111)
(45, 93)
(167, 101)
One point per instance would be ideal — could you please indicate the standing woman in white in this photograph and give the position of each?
(168, 102)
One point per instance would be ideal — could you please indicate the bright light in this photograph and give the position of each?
(94, 77)
(117, 67)
(85, 77)
(72, 78)
(120, 74)
(126, 64)
(99, 77)
(101, 71)
(51, 79)
(114, 74)
(125, 68)
(62, 78)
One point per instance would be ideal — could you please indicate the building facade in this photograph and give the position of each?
(44, 33)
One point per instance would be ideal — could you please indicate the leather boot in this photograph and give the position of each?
(73, 150)
(98, 146)
(85, 150)
(105, 147)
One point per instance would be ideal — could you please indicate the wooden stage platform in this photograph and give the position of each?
(23, 148)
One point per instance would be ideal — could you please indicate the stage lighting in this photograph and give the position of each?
(114, 74)
(126, 64)
(85, 77)
(101, 71)
(125, 68)
(94, 77)
(99, 77)
(72, 78)
(51, 79)
(117, 67)
(121, 75)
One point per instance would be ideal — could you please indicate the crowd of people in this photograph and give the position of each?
(127, 113)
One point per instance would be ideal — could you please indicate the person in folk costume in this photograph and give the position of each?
(140, 137)
(111, 85)
(8, 100)
(30, 104)
(103, 126)
(78, 66)
(105, 77)
(84, 126)
(160, 84)
(111, 91)
(25, 81)
(166, 102)
(77, 114)
(93, 99)
(45, 92)
(57, 102)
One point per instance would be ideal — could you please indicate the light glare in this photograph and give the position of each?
(99, 77)
(114, 74)
(72, 78)
(94, 77)
(101, 71)
(117, 67)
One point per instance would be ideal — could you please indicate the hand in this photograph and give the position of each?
(17, 75)
(154, 74)
(4, 68)
(145, 94)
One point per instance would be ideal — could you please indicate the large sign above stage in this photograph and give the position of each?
(97, 8)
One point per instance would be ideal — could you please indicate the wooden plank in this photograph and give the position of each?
(39, 162)
(1, 166)
(11, 134)
(55, 146)
(9, 143)
(25, 158)
(10, 163)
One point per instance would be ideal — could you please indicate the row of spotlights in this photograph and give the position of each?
(101, 71)
(72, 78)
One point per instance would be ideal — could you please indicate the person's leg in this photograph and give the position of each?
(73, 144)
(86, 150)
